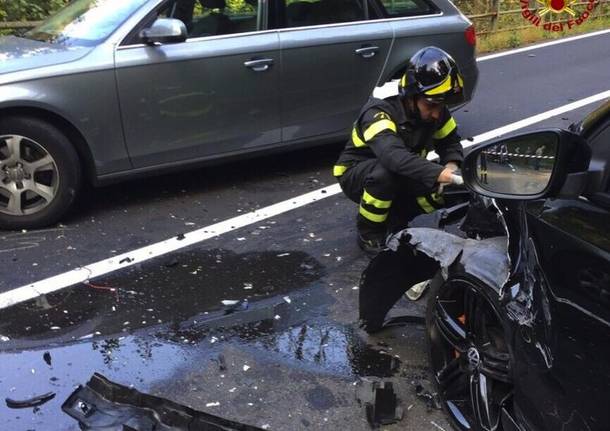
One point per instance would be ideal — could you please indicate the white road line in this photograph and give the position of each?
(543, 45)
(125, 260)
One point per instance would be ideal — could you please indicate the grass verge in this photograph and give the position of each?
(518, 38)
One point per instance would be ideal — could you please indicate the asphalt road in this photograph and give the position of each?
(290, 363)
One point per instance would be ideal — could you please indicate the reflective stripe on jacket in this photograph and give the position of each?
(384, 131)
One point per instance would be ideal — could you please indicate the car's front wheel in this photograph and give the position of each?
(39, 173)
(470, 355)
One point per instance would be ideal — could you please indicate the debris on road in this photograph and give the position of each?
(431, 398)
(380, 402)
(47, 358)
(30, 402)
(104, 404)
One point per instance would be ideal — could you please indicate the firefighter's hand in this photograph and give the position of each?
(448, 177)
(452, 165)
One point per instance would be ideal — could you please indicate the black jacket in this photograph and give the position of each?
(384, 130)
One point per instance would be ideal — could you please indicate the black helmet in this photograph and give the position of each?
(433, 74)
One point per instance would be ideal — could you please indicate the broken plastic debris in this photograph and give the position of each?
(380, 402)
(215, 404)
(287, 299)
(229, 302)
(47, 358)
(431, 398)
(241, 239)
(180, 237)
(247, 286)
(438, 426)
(102, 404)
(277, 317)
(283, 255)
(246, 367)
(4, 338)
(30, 402)
(55, 328)
(126, 260)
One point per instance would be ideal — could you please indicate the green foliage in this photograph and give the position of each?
(28, 10)
(237, 7)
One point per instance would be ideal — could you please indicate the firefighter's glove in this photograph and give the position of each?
(457, 180)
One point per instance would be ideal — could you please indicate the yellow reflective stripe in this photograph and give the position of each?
(425, 205)
(339, 170)
(375, 218)
(443, 87)
(437, 198)
(356, 139)
(460, 80)
(377, 203)
(378, 126)
(423, 153)
(403, 80)
(444, 131)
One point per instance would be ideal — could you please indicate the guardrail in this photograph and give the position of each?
(493, 15)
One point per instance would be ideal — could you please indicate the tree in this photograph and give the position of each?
(28, 10)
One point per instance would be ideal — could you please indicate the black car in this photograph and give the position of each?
(519, 325)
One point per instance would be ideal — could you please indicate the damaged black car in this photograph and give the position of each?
(518, 315)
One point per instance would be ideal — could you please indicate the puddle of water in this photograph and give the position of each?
(320, 346)
(168, 319)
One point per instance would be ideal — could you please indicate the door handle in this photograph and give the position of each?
(367, 51)
(259, 65)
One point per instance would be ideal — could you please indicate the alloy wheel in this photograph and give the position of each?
(470, 358)
(29, 177)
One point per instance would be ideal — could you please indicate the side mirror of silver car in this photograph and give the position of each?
(164, 30)
(530, 166)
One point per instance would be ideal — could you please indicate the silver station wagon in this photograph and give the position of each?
(108, 89)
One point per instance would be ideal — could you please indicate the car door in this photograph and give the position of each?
(331, 61)
(573, 237)
(213, 95)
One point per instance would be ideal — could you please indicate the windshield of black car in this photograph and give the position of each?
(85, 22)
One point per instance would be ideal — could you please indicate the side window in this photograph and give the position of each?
(214, 17)
(400, 8)
(301, 13)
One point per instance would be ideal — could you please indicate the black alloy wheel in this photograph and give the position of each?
(469, 355)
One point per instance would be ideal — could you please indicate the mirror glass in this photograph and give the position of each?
(518, 166)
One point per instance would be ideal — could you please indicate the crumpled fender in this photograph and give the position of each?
(487, 259)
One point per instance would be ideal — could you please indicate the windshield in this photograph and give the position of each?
(85, 22)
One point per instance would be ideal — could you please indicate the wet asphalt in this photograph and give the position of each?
(287, 353)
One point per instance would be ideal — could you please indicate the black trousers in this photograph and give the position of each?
(386, 201)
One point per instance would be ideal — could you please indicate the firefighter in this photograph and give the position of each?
(384, 168)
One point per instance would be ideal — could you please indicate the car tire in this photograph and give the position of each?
(40, 173)
(484, 360)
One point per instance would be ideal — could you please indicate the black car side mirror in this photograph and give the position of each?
(164, 30)
(529, 166)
